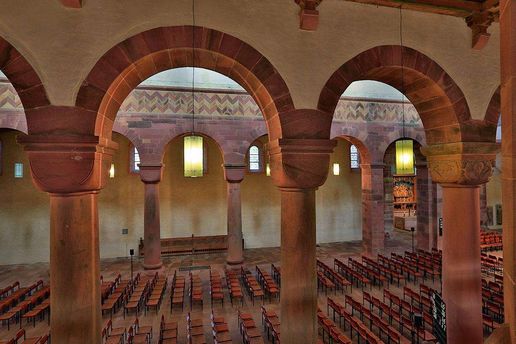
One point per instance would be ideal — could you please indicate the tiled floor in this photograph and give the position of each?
(27, 274)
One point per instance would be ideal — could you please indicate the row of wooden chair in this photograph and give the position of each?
(216, 291)
(251, 284)
(328, 329)
(386, 271)
(21, 338)
(34, 305)
(168, 331)
(195, 290)
(271, 325)
(195, 330)
(156, 293)
(108, 287)
(8, 290)
(340, 281)
(375, 276)
(234, 287)
(268, 284)
(115, 300)
(135, 301)
(350, 274)
(220, 330)
(135, 334)
(177, 294)
(276, 274)
(250, 333)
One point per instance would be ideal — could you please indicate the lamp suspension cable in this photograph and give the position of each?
(193, 67)
(402, 77)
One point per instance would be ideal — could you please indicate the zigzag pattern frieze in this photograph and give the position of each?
(217, 104)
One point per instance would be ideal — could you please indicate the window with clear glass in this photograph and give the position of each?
(354, 157)
(254, 159)
(18, 170)
(135, 160)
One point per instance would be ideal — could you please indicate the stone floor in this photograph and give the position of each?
(26, 274)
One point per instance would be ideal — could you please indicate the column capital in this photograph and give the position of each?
(234, 173)
(300, 163)
(461, 163)
(63, 164)
(151, 174)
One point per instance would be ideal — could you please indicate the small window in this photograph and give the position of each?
(354, 157)
(134, 160)
(18, 170)
(254, 159)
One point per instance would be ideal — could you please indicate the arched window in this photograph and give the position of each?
(354, 157)
(254, 159)
(134, 160)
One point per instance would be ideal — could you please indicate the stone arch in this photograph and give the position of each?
(128, 63)
(363, 149)
(439, 101)
(419, 142)
(27, 84)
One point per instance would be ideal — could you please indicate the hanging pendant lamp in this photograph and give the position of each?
(193, 145)
(404, 147)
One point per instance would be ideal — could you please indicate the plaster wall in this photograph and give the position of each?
(64, 44)
(188, 205)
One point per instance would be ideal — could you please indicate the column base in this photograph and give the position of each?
(234, 264)
(152, 266)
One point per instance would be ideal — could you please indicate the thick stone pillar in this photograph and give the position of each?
(298, 168)
(508, 106)
(151, 176)
(460, 168)
(373, 222)
(424, 207)
(234, 174)
(483, 205)
(72, 169)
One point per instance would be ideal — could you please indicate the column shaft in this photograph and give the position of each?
(508, 106)
(235, 236)
(152, 232)
(424, 210)
(462, 288)
(74, 269)
(373, 225)
(298, 268)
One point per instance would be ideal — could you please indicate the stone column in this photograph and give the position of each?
(460, 168)
(483, 206)
(508, 106)
(234, 174)
(151, 176)
(424, 207)
(373, 222)
(72, 169)
(298, 168)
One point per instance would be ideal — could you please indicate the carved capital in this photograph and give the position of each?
(234, 173)
(463, 163)
(68, 163)
(308, 15)
(151, 174)
(300, 163)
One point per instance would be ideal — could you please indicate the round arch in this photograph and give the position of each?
(130, 62)
(492, 115)
(26, 83)
(439, 101)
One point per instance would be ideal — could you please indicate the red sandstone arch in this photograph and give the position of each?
(437, 98)
(493, 109)
(363, 150)
(25, 81)
(130, 62)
